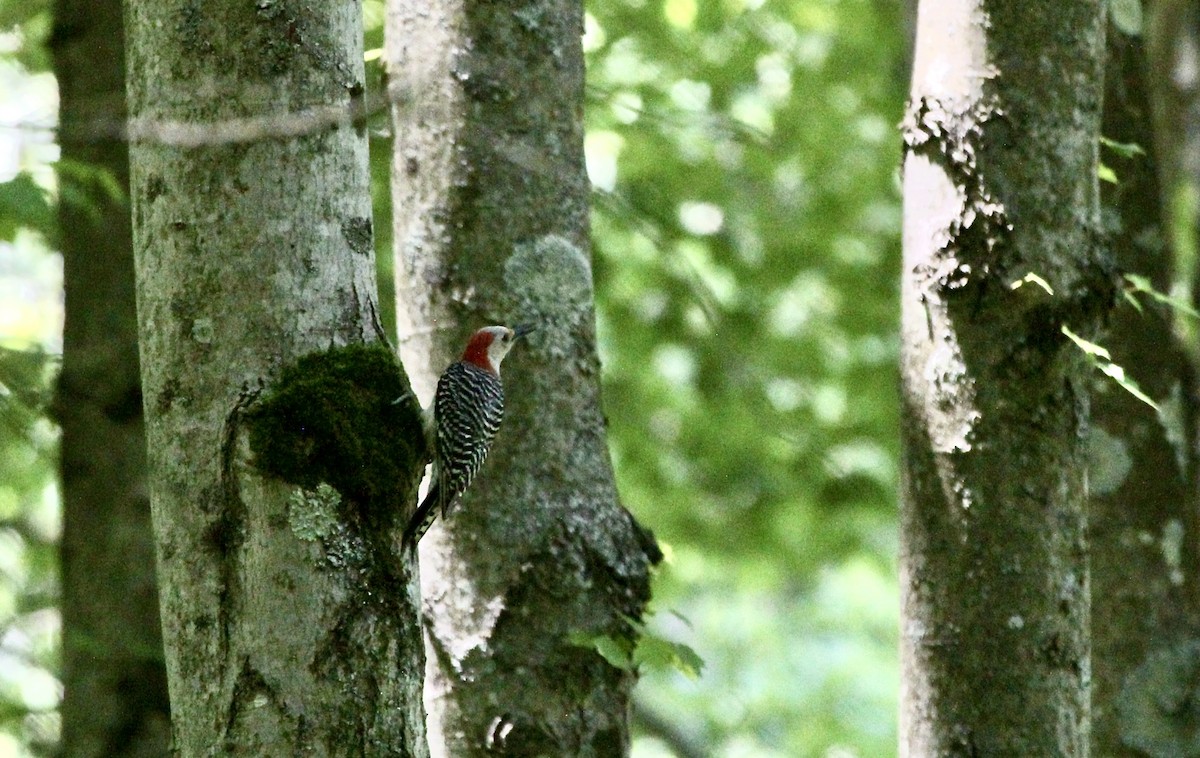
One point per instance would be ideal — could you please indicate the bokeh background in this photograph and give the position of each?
(743, 156)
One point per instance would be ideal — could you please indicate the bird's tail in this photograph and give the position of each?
(422, 518)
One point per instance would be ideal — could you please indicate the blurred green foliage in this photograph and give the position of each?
(29, 507)
(747, 264)
(30, 329)
(746, 223)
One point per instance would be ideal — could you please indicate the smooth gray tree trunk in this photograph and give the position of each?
(115, 698)
(1143, 519)
(491, 214)
(1000, 188)
(290, 623)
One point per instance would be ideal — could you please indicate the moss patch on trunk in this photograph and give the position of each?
(345, 417)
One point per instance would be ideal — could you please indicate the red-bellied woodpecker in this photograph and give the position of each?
(464, 417)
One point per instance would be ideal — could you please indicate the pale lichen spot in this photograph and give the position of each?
(312, 513)
(202, 330)
(550, 281)
(1174, 424)
(1172, 550)
(1109, 462)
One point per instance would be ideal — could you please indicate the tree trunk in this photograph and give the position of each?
(490, 198)
(1173, 46)
(290, 623)
(999, 190)
(1143, 515)
(115, 701)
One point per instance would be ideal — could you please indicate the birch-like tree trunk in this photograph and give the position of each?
(115, 700)
(1143, 519)
(290, 623)
(1000, 262)
(491, 212)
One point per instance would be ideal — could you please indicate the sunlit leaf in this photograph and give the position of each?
(1091, 348)
(1117, 373)
(1142, 284)
(1123, 149)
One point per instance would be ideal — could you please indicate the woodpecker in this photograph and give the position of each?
(460, 424)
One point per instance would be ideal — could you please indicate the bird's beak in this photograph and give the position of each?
(522, 329)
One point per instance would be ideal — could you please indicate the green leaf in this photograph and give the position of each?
(616, 652)
(1133, 301)
(1032, 278)
(1102, 359)
(1123, 149)
(89, 189)
(23, 204)
(1091, 348)
(658, 652)
(1118, 375)
(98, 178)
(1142, 284)
(1106, 174)
(646, 649)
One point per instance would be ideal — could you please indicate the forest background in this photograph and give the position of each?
(746, 216)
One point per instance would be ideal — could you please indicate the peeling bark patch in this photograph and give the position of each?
(358, 234)
(948, 134)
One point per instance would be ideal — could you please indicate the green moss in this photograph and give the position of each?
(332, 417)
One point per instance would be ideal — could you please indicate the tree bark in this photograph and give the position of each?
(490, 198)
(290, 622)
(1143, 516)
(115, 699)
(999, 185)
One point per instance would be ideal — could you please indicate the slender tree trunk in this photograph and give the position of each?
(115, 701)
(999, 189)
(1173, 40)
(290, 623)
(491, 226)
(1143, 515)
